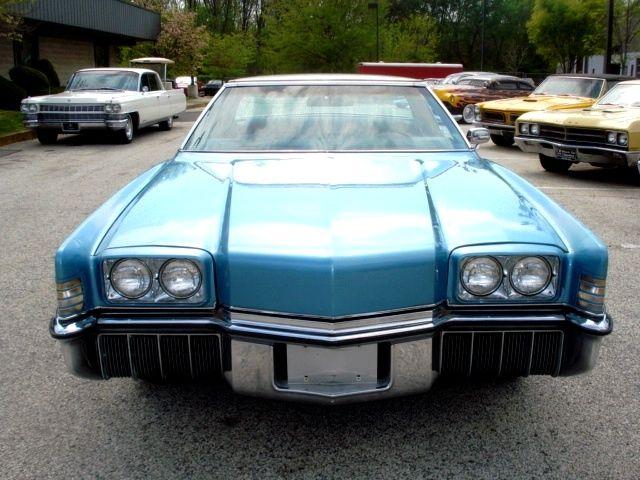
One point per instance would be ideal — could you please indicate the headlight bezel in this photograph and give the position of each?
(113, 270)
(112, 108)
(156, 294)
(538, 290)
(505, 293)
(29, 107)
(478, 258)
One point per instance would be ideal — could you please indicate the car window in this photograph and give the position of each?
(144, 82)
(325, 117)
(581, 87)
(507, 85)
(524, 86)
(103, 80)
(153, 82)
(473, 82)
(625, 95)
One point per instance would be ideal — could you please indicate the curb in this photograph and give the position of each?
(17, 137)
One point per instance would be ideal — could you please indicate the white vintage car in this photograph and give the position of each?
(117, 99)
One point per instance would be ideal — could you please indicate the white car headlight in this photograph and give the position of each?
(481, 275)
(131, 278)
(623, 139)
(530, 275)
(534, 129)
(112, 108)
(28, 108)
(524, 128)
(180, 278)
(612, 137)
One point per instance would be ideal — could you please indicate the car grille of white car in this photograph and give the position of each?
(160, 357)
(71, 108)
(500, 353)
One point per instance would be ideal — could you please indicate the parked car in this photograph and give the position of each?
(460, 98)
(554, 93)
(358, 257)
(212, 87)
(183, 82)
(454, 78)
(116, 99)
(604, 135)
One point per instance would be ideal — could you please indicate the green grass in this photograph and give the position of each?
(10, 122)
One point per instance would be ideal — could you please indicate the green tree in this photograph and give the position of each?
(411, 39)
(315, 35)
(10, 20)
(626, 28)
(564, 31)
(230, 55)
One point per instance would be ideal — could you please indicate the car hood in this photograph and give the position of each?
(601, 117)
(84, 96)
(537, 103)
(329, 235)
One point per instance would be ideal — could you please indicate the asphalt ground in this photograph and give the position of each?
(53, 425)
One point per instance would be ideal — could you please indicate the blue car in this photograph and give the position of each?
(329, 238)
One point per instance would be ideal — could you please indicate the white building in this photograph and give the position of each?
(595, 64)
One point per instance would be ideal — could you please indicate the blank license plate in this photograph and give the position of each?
(566, 154)
(354, 366)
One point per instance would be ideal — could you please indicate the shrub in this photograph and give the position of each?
(46, 67)
(10, 95)
(30, 79)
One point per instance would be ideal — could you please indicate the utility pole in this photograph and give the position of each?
(608, 66)
(374, 5)
(484, 6)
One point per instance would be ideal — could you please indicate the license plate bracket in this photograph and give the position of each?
(568, 154)
(70, 127)
(332, 370)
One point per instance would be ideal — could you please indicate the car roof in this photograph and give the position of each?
(599, 76)
(134, 70)
(324, 78)
(630, 82)
(493, 76)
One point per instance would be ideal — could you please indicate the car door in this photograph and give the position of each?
(159, 99)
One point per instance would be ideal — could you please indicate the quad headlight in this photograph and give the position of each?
(131, 278)
(534, 129)
(154, 280)
(112, 108)
(524, 128)
(481, 276)
(612, 137)
(508, 278)
(623, 139)
(180, 278)
(28, 107)
(530, 275)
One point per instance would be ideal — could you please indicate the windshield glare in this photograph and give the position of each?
(104, 81)
(325, 117)
(579, 87)
(622, 95)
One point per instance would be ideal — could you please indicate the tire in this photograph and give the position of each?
(166, 125)
(469, 113)
(47, 137)
(126, 134)
(551, 164)
(502, 140)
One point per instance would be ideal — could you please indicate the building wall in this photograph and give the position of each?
(6, 57)
(595, 64)
(67, 55)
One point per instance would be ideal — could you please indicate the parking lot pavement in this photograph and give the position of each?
(53, 425)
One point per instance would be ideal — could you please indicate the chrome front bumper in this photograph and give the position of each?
(59, 125)
(584, 154)
(496, 128)
(295, 358)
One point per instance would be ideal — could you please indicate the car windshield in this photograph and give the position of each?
(579, 87)
(325, 117)
(621, 95)
(104, 81)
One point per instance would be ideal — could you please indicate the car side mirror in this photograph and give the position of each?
(477, 136)
(145, 89)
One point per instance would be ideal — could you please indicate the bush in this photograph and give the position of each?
(10, 95)
(30, 79)
(46, 67)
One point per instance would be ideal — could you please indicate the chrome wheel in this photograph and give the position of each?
(128, 130)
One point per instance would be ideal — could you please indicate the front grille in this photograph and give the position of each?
(71, 108)
(493, 117)
(550, 131)
(508, 353)
(70, 117)
(585, 135)
(172, 357)
(513, 117)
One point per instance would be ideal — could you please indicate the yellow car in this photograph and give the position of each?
(606, 134)
(554, 93)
